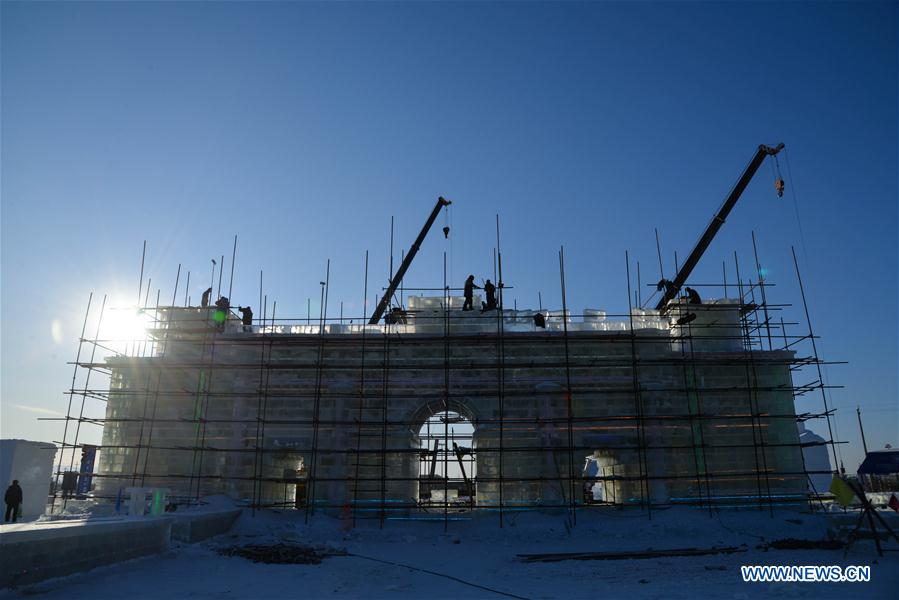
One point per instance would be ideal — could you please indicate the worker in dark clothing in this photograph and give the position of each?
(396, 316)
(692, 296)
(665, 284)
(204, 301)
(222, 306)
(490, 292)
(469, 293)
(13, 500)
(246, 317)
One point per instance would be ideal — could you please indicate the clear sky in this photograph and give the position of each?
(302, 127)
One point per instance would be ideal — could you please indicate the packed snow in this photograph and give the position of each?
(471, 556)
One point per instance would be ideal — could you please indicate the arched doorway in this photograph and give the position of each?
(447, 459)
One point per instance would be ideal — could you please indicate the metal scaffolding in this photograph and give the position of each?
(639, 408)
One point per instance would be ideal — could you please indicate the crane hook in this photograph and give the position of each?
(778, 178)
(446, 228)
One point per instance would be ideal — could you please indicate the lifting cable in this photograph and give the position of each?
(447, 227)
(779, 184)
(836, 433)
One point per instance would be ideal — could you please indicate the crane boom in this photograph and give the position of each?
(716, 223)
(398, 276)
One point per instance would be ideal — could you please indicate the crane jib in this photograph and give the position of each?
(398, 276)
(716, 223)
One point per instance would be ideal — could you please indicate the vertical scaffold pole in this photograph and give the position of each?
(257, 456)
(501, 365)
(65, 429)
(87, 379)
(811, 335)
(323, 315)
(140, 285)
(645, 500)
(568, 407)
(755, 419)
(233, 258)
(446, 358)
(361, 393)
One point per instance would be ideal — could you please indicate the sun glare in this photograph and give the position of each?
(124, 324)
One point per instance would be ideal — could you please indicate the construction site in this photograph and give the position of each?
(449, 300)
(426, 409)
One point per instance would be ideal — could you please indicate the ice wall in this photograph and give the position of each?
(32, 464)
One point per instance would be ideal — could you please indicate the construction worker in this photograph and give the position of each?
(665, 284)
(246, 317)
(469, 293)
(396, 316)
(222, 306)
(490, 292)
(204, 301)
(692, 296)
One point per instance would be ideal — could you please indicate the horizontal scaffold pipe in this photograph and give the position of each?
(506, 449)
(735, 475)
(347, 364)
(297, 392)
(478, 422)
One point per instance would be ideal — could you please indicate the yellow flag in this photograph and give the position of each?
(841, 490)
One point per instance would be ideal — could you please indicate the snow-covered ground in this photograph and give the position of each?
(477, 551)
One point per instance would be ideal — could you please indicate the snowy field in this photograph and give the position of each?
(422, 560)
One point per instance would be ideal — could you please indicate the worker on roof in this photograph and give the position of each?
(246, 314)
(222, 306)
(692, 296)
(490, 292)
(396, 316)
(204, 301)
(469, 293)
(665, 284)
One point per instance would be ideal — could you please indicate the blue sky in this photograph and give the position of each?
(302, 127)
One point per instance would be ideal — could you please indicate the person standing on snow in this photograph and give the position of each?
(13, 500)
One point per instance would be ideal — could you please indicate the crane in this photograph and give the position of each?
(398, 276)
(671, 288)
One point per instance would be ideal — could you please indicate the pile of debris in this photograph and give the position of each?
(281, 554)
(794, 544)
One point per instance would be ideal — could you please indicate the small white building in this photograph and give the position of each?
(817, 461)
